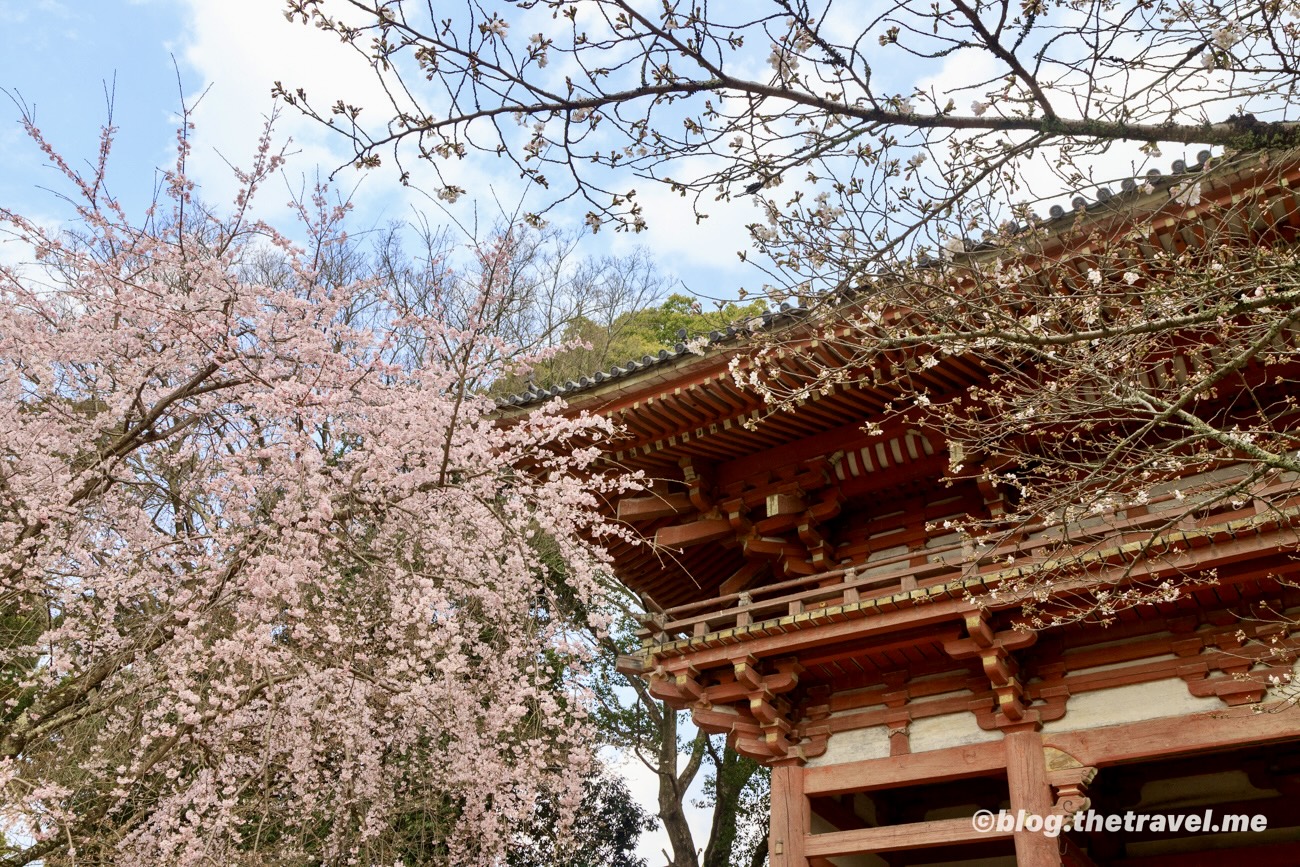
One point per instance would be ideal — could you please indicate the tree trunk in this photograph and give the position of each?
(672, 793)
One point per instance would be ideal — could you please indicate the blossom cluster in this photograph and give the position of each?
(279, 586)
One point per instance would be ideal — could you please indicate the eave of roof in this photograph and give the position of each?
(671, 365)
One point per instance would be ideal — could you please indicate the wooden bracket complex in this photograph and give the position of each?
(1069, 779)
(751, 705)
(994, 650)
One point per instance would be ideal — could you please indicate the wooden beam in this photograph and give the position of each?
(743, 577)
(1176, 735)
(864, 629)
(694, 533)
(778, 683)
(933, 766)
(649, 508)
(897, 838)
(849, 437)
(1281, 812)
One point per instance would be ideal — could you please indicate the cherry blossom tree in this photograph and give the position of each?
(908, 161)
(1128, 366)
(582, 313)
(863, 133)
(272, 581)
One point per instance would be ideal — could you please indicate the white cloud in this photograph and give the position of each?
(235, 50)
(677, 238)
(239, 48)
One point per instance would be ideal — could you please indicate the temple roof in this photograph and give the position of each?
(741, 495)
(1104, 201)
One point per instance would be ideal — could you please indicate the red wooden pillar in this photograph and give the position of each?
(1030, 791)
(791, 816)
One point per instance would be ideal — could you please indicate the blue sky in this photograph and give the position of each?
(60, 56)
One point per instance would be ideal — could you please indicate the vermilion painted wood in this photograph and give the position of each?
(1029, 790)
(791, 818)
(898, 838)
(934, 766)
(1182, 735)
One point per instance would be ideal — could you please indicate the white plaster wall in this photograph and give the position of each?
(854, 746)
(1116, 666)
(1132, 703)
(948, 730)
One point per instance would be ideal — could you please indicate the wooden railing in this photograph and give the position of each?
(945, 564)
(873, 579)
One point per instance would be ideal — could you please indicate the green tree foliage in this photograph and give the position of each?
(738, 835)
(609, 824)
(633, 334)
(735, 789)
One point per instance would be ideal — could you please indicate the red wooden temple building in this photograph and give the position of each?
(811, 605)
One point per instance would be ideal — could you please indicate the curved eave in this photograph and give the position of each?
(1075, 233)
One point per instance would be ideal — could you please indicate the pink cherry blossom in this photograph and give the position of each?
(277, 586)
